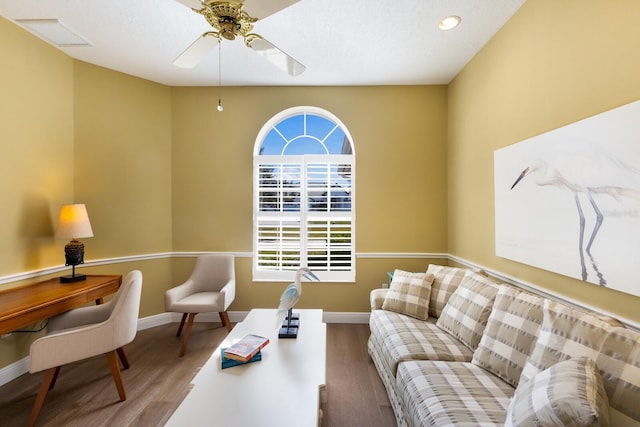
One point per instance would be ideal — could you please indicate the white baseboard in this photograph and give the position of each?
(13, 371)
(345, 317)
(157, 320)
(21, 367)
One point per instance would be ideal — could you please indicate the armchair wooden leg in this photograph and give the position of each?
(184, 317)
(224, 317)
(123, 358)
(187, 332)
(50, 376)
(115, 371)
(55, 377)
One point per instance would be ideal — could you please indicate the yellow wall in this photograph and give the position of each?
(36, 148)
(398, 134)
(552, 64)
(122, 158)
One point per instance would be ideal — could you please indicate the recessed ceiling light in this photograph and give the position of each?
(449, 22)
(54, 32)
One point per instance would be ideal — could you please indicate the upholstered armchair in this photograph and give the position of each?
(210, 288)
(86, 332)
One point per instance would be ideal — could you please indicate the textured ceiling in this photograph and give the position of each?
(341, 42)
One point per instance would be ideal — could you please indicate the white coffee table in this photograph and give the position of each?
(283, 389)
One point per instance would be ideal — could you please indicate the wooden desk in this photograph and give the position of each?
(28, 304)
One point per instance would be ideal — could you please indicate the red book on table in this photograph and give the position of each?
(246, 348)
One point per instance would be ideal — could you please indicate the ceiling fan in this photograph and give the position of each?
(230, 20)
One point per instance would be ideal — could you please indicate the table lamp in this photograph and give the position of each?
(73, 223)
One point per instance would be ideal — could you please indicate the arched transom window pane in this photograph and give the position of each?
(304, 134)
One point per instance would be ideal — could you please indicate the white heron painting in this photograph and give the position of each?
(568, 201)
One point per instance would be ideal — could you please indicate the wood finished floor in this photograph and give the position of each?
(158, 380)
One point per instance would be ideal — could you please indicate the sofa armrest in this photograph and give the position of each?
(376, 298)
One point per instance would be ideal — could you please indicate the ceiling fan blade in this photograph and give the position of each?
(192, 4)
(274, 55)
(197, 51)
(262, 8)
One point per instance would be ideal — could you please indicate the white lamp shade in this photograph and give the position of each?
(73, 222)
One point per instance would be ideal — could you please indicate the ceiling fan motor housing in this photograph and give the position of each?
(228, 18)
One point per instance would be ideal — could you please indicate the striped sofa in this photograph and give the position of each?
(454, 348)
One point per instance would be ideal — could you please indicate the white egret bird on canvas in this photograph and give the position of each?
(290, 297)
(584, 168)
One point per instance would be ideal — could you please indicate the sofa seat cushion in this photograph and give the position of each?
(437, 393)
(403, 338)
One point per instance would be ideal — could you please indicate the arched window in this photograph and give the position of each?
(304, 204)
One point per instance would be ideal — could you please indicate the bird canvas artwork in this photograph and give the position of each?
(568, 200)
(288, 300)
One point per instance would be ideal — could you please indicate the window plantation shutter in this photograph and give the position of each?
(304, 218)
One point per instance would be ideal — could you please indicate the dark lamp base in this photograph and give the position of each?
(73, 278)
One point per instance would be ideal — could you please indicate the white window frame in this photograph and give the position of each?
(338, 268)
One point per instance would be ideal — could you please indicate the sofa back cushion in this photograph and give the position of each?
(566, 332)
(511, 332)
(619, 362)
(466, 313)
(409, 294)
(445, 282)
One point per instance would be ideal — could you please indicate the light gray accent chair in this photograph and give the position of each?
(210, 288)
(86, 332)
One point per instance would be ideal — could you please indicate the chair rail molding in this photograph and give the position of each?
(145, 257)
(503, 277)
